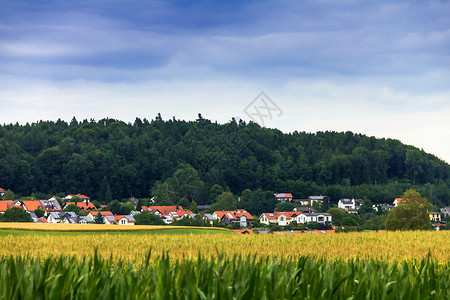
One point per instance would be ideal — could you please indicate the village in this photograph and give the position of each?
(79, 209)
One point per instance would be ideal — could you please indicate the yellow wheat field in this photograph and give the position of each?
(391, 246)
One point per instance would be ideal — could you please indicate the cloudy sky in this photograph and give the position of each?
(380, 68)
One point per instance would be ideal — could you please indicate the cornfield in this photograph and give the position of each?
(145, 265)
(223, 278)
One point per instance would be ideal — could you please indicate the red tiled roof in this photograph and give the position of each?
(276, 215)
(44, 220)
(165, 210)
(83, 205)
(5, 204)
(2, 190)
(106, 213)
(234, 214)
(80, 196)
(31, 205)
(283, 195)
(118, 218)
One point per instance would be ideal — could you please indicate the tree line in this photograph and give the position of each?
(175, 159)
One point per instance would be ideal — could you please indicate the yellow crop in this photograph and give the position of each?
(390, 246)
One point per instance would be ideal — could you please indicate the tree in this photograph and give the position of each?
(262, 201)
(366, 207)
(285, 206)
(16, 214)
(75, 199)
(114, 207)
(104, 195)
(410, 214)
(226, 201)
(147, 218)
(193, 207)
(215, 191)
(337, 215)
(39, 212)
(9, 195)
(72, 207)
(99, 219)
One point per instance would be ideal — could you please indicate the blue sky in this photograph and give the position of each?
(375, 67)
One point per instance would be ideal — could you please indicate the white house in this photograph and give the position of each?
(350, 205)
(445, 212)
(54, 217)
(279, 218)
(321, 218)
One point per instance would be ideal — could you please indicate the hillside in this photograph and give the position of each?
(76, 157)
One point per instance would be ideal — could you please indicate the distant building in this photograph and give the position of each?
(283, 197)
(434, 216)
(445, 212)
(350, 205)
(2, 192)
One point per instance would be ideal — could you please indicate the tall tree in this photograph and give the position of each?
(410, 214)
(104, 195)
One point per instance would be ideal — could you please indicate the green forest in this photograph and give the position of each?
(198, 160)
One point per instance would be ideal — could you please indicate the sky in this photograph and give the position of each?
(380, 68)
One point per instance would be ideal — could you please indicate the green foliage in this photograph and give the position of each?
(114, 207)
(193, 207)
(147, 218)
(53, 157)
(72, 207)
(75, 199)
(262, 201)
(337, 215)
(222, 278)
(214, 192)
(105, 195)
(195, 221)
(410, 214)
(16, 214)
(285, 206)
(39, 212)
(9, 195)
(226, 201)
(99, 219)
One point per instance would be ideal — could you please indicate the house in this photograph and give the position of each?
(445, 212)
(397, 201)
(85, 220)
(304, 209)
(32, 205)
(54, 217)
(2, 192)
(283, 197)
(69, 217)
(84, 205)
(279, 218)
(6, 204)
(238, 216)
(209, 218)
(50, 205)
(382, 207)
(316, 199)
(93, 214)
(350, 205)
(39, 220)
(203, 207)
(82, 197)
(321, 218)
(121, 220)
(133, 200)
(169, 213)
(434, 216)
(303, 202)
(125, 220)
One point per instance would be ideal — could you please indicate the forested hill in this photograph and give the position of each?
(75, 157)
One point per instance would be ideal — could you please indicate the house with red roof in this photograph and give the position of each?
(7, 204)
(280, 218)
(2, 192)
(169, 213)
(397, 201)
(237, 216)
(32, 205)
(283, 197)
(82, 197)
(82, 205)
